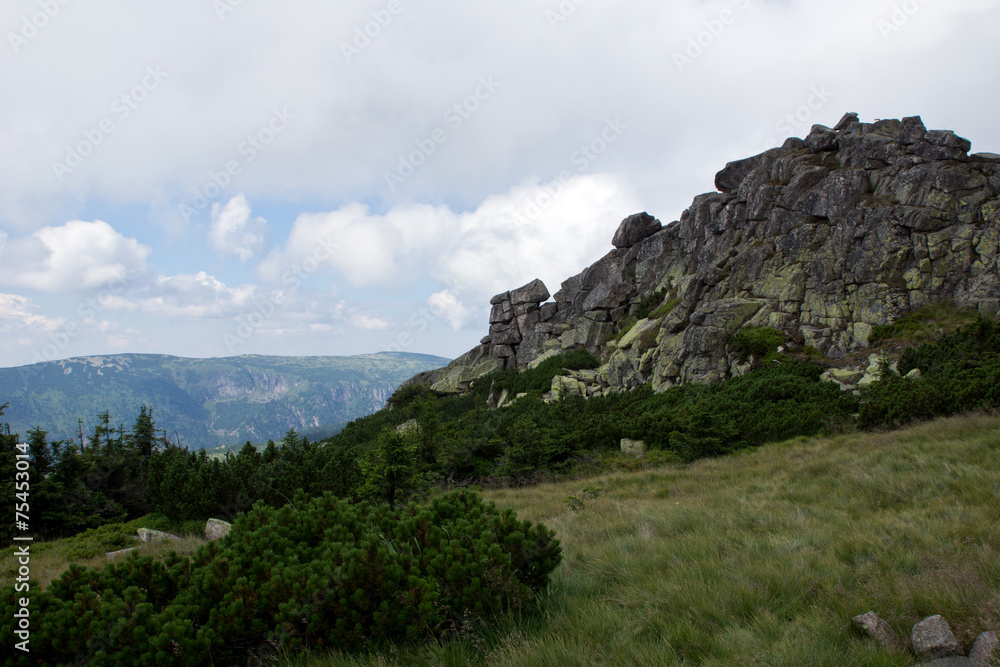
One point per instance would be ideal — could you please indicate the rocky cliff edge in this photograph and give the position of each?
(823, 239)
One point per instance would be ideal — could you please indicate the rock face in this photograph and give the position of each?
(822, 238)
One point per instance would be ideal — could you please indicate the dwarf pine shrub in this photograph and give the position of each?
(960, 372)
(320, 572)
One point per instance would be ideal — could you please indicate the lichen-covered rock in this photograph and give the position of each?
(216, 529)
(635, 448)
(407, 427)
(879, 630)
(150, 535)
(823, 238)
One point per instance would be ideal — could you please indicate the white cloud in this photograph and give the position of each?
(549, 231)
(19, 316)
(445, 304)
(233, 232)
(354, 119)
(76, 256)
(191, 296)
(363, 321)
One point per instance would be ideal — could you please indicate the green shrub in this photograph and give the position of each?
(325, 573)
(540, 377)
(960, 372)
(925, 324)
(757, 341)
(647, 305)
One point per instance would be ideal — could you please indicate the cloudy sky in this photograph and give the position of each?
(217, 177)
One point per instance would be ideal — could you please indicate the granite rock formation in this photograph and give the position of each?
(823, 239)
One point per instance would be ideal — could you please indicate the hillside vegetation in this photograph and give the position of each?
(758, 558)
(206, 402)
(694, 561)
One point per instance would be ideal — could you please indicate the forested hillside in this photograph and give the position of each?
(205, 402)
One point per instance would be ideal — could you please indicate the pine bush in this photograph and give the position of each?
(319, 572)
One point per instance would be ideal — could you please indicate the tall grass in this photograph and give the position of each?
(759, 558)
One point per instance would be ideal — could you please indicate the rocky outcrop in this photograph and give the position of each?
(823, 239)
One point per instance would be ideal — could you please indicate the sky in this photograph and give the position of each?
(222, 177)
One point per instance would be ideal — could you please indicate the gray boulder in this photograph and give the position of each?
(985, 647)
(634, 229)
(954, 661)
(878, 630)
(533, 292)
(111, 555)
(216, 529)
(636, 448)
(409, 426)
(150, 535)
(932, 638)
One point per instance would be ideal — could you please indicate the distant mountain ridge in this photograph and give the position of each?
(205, 402)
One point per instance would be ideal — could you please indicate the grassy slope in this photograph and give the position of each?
(50, 559)
(762, 557)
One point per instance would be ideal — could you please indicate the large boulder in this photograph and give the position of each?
(216, 529)
(533, 292)
(932, 638)
(634, 229)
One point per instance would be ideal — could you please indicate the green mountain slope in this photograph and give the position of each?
(206, 402)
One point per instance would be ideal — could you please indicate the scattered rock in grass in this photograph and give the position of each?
(878, 630)
(111, 555)
(932, 641)
(148, 535)
(216, 529)
(953, 661)
(985, 647)
(932, 638)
